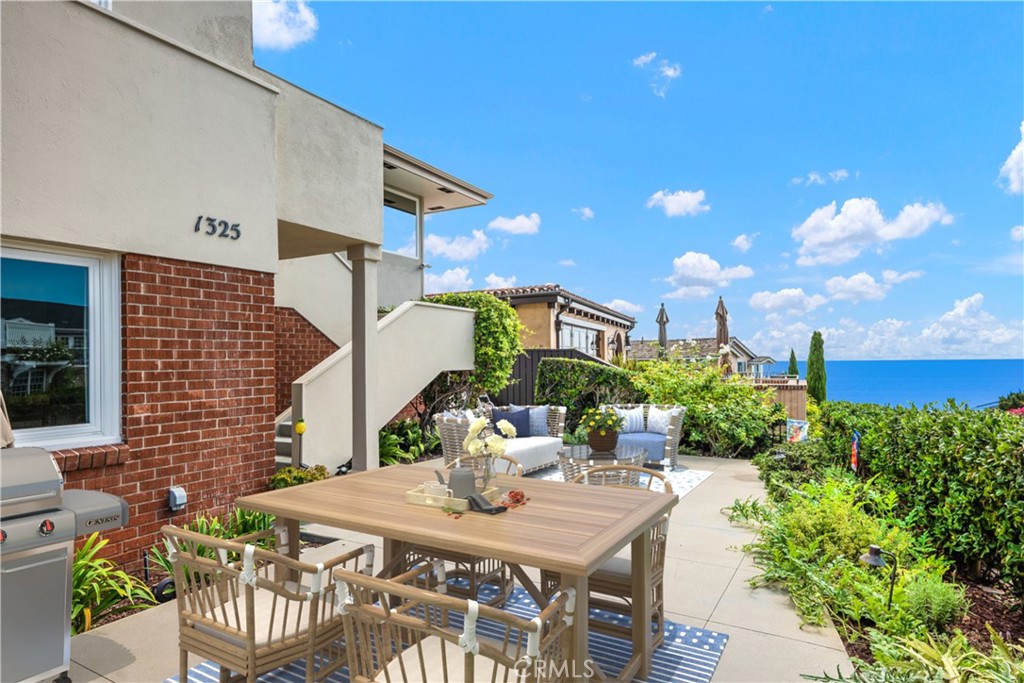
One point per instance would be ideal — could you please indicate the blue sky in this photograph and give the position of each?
(851, 168)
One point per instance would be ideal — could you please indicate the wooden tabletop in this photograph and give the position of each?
(568, 528)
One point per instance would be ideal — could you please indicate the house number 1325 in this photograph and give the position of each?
(209, 225)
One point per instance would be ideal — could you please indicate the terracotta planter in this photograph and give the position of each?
(603, 444)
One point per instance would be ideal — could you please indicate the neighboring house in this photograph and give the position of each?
(555, 318)
(221, 232)
(741, 359)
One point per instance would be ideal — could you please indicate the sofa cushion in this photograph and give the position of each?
(520, 419)
(534, 451)
(658, 419)
(633, 419)
(653, 443)
(539, 421)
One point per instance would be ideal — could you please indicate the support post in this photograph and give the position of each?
(365, 260)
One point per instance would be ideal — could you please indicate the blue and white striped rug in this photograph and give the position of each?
(689, 654)
(683, 481)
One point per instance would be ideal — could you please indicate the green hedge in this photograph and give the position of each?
(581, 384)
(957, 474)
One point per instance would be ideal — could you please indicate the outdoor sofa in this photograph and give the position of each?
(537, 450)
(661, 438)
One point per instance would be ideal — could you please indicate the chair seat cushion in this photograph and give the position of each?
(653, 443)
(263, 609)
(535, 451)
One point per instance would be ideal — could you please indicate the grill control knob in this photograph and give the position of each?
(3, 535)
(46, 528)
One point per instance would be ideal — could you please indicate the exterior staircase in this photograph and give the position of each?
(415, 342)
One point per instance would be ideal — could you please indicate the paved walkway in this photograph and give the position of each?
(705, 577)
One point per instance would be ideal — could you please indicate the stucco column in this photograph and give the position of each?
(365, 259)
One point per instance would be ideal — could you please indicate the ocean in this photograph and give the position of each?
(903, 382)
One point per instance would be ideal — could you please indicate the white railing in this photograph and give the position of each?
(415, 342)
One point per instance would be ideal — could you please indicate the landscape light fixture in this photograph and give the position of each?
(875, 557)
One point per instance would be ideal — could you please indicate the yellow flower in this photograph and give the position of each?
(507, 428)
(602, 432)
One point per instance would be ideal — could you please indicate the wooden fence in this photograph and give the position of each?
(523, 379)
(791, 393)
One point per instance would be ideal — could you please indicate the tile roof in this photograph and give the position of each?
(700, 347)
(555, 290)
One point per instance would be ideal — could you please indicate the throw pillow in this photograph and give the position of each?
(539, 421)
(520, 419)
(658, 419)
(633, 419)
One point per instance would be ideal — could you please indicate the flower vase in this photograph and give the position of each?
(602, 443)
(486, 472)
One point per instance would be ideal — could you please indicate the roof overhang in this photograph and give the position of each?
(437, 190)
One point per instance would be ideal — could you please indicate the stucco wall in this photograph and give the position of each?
(115, 139)
(320, 289)
(540, 326)
(330, 166)
(221, 29)
(399, 279)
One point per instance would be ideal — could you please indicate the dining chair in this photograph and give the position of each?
(400, 630)
(473, 570)
(611, 585)
(252, 610)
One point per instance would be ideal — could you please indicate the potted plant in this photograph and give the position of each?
(602, 426)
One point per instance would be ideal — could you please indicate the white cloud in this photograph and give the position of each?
(815, 178)
(664, 72)
(409, 248)
(833, 238)
(644, 60)
(792, 300)
(1013, 168)
(584, 212)
(498, 282)
(768, 9)
(695, 275)
(966, 331)
(459, 248)
(690, 292)
(623, 306)
(863, 287)
(454, 280)
(744, 242)
(970, 330)
(1017, 233)
(891, 277)
(567, 262)
(282, 24)
(680, 203)
(520, 225)
(856, 288)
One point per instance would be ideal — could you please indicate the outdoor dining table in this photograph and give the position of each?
(569, 529)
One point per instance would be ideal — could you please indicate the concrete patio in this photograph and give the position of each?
(706, 586)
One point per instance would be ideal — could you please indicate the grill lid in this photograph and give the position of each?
(29, 481)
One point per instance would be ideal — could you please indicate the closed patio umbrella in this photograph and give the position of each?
(722, 332)
(6, 434)
(662, 328)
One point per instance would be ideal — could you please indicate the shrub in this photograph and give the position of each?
(1015, 399)
(99, 589)
(293, 476)
(237, 523)
(581, 384)
(934, 602)
(412, 439)
(793, 370)
(496, 345)
(958, 476)
(724, 417)
(789, 465)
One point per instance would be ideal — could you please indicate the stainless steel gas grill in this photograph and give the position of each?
(38, 525)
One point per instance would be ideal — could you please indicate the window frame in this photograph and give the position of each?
(104, 350)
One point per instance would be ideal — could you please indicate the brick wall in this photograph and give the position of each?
(300, 346)
(197, 392)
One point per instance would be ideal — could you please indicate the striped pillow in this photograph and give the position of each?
(633, 420)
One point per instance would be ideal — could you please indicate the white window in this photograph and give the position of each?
(60, 346)
(105, 4)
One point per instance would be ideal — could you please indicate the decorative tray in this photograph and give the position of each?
(417, 497)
